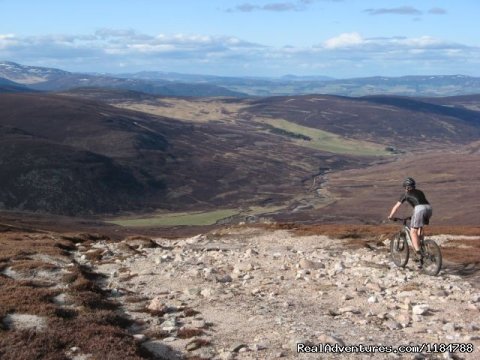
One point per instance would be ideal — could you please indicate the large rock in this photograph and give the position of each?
(348, 309)
(421, 309)
(330, 339)
(310, 265)
(392, 325)
(160, 350)
(140, 242)
(158, 306)
(25, 322)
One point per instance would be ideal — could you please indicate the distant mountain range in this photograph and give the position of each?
(49, 79)
(175, 84)
(196, 78)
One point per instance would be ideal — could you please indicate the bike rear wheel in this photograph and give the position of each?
(399, 249)
(432, 258)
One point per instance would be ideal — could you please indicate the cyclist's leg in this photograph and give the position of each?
(417, 223)
(420, 233)
(415, 238)
(427, 214)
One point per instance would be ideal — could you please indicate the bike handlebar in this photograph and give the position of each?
(404, 220)
(401, 219)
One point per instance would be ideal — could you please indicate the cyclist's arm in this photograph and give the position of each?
(394, 209)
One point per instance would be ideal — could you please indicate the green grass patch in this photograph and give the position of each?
(283, 132)
(259, 210)
(176, 219)
(327, 141)
(190, 218)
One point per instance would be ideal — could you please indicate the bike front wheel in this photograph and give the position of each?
(432, 258)
(399, 249)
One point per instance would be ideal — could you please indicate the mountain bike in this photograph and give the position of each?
(400, 250)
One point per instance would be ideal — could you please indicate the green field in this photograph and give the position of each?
(196, 218)
(326, 141)
(176, 219)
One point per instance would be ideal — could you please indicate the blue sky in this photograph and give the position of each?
(338, 38)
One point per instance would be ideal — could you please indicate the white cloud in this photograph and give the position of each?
(299, 5)
(225, 55)
(437, 11)
(356, 42)
(344, 41)
(7, 40)
(402, 10)
(423, 42)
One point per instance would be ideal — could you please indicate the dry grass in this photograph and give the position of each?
(189, 312)
(94, 255)
(17, 247)
(33, 265)
(465, 252)
(411, 287)
(449, 180)
(198, 110)
(365, 231)
(187, 333)
(93, 323)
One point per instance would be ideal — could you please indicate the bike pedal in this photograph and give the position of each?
(419, 262)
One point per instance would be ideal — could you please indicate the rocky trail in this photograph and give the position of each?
(250, 293)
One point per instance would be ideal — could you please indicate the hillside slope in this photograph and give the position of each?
(7, 86)
(204, 154)
(42, 175)
(71, 157)
(164, 163)
(67, 156)
(449, 179)
(406, 123)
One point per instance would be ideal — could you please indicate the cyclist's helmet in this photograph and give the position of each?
(409, 182)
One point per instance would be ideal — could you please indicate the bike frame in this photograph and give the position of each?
(406, 228)
(429, 249)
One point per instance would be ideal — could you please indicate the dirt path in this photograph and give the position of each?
(257, 294)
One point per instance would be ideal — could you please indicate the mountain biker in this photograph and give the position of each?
(422, 212)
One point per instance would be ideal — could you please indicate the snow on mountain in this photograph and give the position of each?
(28, 75)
